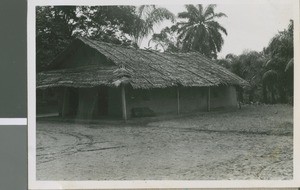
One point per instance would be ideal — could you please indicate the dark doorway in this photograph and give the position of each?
(103, 101)
(73, 100)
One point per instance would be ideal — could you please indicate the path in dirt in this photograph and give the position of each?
(254, 144)
(162, 154)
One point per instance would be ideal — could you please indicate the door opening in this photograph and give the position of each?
(103, 101)
(74, 100)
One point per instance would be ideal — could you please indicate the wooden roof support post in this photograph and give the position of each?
(178, 101)
(124, 110)
(208, 99)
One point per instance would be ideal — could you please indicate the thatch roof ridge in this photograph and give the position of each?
(92, 44)
(114, 56)
(142, 69)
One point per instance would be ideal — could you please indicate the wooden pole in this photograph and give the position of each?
(124, 102)
(178, 102)
(208, 99)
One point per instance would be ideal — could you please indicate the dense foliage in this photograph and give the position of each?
(270, 72)
(56, 26)
(201, 32)
(166, 40)
(249, 66)
(278, 78)
(197, 30)
(147, 17)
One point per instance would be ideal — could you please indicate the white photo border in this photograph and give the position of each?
(138, 184)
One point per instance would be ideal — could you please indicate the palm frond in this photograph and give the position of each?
(160, 14)
(144, 10)
(219, 15)
(149, 16)
(200, 32)
(209, 10)
(270, 76)
(216, 25)
(191, 9)
(290, 65)
(183, 15)
(200, 9)
(268, 63)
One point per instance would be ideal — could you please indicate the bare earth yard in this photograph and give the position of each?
(255, 142)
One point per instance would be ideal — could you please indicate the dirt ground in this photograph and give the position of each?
(253, 143)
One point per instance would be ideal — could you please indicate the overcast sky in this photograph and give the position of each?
(249, 26)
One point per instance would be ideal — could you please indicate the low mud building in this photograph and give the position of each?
(92, 79)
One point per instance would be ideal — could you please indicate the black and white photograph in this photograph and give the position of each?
(195, 91)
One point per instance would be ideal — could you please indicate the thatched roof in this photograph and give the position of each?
(140, 68)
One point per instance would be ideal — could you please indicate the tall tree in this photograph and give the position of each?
(166, 39)
(249, 66)
(110, 23)
(56, 26)
(278, 77)
(148, 16)
(200, 31)
(251, 69)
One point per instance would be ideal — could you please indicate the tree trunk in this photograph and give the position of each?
(273, 95)
(282, 95)
(265, 95)
(241, 94)
(251, 95)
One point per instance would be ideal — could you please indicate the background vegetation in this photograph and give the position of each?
(270, 72)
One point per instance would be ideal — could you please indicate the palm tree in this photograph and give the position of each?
(249, 66)
(166, 39)
(146, 18)
(201, 32)
(280, 65)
